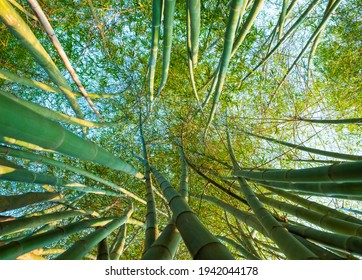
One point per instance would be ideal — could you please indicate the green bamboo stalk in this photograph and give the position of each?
(193, 12)
(184, 179)
(83, 188)
(258, 4)
(165, 247)
(314, 206)
(169, 12)
(19, 122)
(190, 55)
(10, 202)
(351, 244)
(321, 220)
(119, 242)
(151, 232)
(11, 172)
(317, 39)
(318, 189)
(282, 19)
(199, 241)
(103, 252)
(40, 158)
(54, 115)
(24, 223)
(13, 249)
(23, 33)
(335, 173)
(235, 8)
(308, 149)
(53, 38)
(333, 121)
(156, 22)
(21, 8)
(322, 253)
(79, 249)
(289, 245)
(238, 247)
(6, 75)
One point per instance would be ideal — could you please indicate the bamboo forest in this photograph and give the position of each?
(164, 129)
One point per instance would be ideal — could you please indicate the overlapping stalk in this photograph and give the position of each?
(19, 122)
(13, 249)
(199, 241)
(81, 247)
(23, 33)
(10, 202)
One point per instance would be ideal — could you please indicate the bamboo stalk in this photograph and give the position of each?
(23, 33)
(348, 172)
(10, 202)
(314, 206)
(13, 249)
(19, 122)
(321, 220)
(40, 158)
(156, 22)
(119, 242)
(79, 249)
(169, 12)
(24, 223)
(54, 39)
(199, 241)
(56, 116)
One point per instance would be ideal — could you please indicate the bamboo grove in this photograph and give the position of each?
(167, 129)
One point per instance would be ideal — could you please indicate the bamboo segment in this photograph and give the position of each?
(151, 233)
(234, 14)
(258, 4)
(57, 116)
(81, 247)
(333, 121)
(24, 34)
(314, 206)
(53, 38)
(323, 221)
(24, 223)
(12, 250)
(19, 122)
(17, 201)
(347, 243)
(287, 243)
(119, 242)
(352, 190)
(165, 247)
(103, 252)
(193, 12)
(39, 158)
(184, 179)
(169, 12)
(336, 173)
(156, 22)
(199, 241)
(10, 172)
